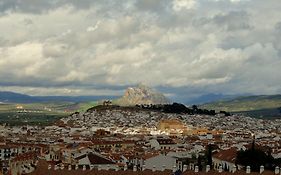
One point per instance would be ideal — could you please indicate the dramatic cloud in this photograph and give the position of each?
(183, 47)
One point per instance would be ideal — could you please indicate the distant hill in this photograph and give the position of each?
(141, 94)
(263, 113)
(207, 98)
(76, 99)
(12, 97)
(255, 105)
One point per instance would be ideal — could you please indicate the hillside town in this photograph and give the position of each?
(140, 87)
(107, 140)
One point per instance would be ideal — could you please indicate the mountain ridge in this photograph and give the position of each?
(13, 97)
(208, 98)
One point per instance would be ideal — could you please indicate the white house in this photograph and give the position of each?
(162, 143)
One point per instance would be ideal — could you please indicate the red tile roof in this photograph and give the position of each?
(25, 156)
(228, 155)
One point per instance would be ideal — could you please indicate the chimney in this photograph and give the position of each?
(174, 168)
(154, 168)
(135, 168)
(196, 170)
(163, 167)
(220, 169)
(234, 169)
(208, 168)
(143, 167)
(184, 168)
(248, 170)
(277, 170)
(261, 169)
(190, 166)
(69, 167)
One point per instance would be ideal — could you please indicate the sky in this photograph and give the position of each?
(184, 48)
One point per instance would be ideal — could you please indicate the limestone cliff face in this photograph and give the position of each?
(141, 95)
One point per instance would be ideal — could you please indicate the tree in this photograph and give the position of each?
(209, 155)
(194, 107)
(255, 158)
(199, 163)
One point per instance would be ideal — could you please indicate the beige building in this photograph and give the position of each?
(172, 124)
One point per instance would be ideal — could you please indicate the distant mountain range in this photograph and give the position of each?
(263, 105)
(12, 97)
(133, 95)
(207, 98)
(140, 94)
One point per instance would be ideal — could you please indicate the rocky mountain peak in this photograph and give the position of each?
(142, 94)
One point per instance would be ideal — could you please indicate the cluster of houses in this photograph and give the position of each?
(149, 143)
(110, 152)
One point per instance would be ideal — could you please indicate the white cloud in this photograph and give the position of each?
(93, 28)
(210, 46)
(184, 4)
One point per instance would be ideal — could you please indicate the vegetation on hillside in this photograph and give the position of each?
(252, 103)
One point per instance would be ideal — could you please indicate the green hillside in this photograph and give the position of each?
(250, 103)
(39, 113)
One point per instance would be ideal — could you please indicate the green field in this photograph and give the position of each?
(86, 105)
(39, 113)
(263, 113)
(29, 118)
(254, 106)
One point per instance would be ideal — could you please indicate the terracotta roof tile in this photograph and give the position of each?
(228, 155)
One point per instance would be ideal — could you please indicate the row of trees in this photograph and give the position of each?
(178, 108)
